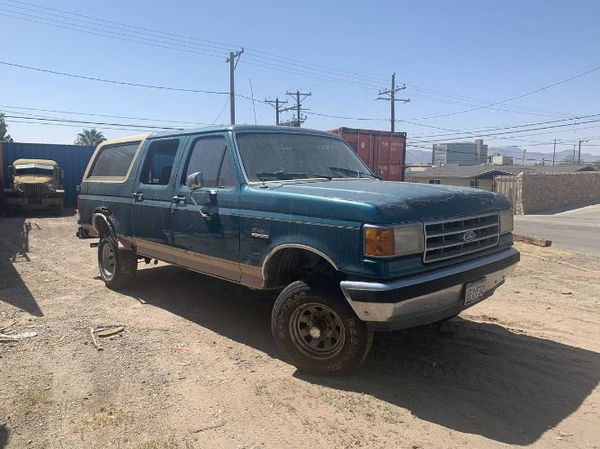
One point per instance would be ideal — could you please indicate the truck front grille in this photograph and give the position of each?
(35, 192)
(454, 237)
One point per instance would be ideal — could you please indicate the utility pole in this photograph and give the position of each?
(232, 60)
(390, 95)
(554, 153)
(277, 107)
(298, 97)
(579, 152)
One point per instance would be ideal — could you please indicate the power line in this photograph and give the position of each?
(58, 121)
(122, 83)
(86, 122)
(110, 34)
(502, 127)
(8, 107)
(213, 48)
(212, 44)
(221, 112)
(115, 128)
(516, 97)
(126, 35)
(189, 90)
(518, 131)
(441, 97)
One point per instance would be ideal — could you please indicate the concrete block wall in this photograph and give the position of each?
(534, 192)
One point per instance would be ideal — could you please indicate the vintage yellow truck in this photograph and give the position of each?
(35, 184)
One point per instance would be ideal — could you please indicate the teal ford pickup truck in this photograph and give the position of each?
(296, 211)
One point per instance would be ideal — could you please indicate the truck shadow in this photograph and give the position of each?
(14, 249)
(236, 312)
(4, 433)
(478, 378)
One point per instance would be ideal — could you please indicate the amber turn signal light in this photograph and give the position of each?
(379, 242)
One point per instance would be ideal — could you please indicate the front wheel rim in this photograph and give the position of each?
(107, 260)
(317, 330)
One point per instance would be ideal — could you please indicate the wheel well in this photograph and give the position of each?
(102, 223)
(291, 264)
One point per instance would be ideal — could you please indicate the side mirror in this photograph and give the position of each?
(195, 181)
(61, 174)
(11, 170)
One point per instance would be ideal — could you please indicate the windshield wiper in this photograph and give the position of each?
(317, 175)
(357, 173)
(279, 175)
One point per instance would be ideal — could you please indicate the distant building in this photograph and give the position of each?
(482, 176)
(498, 159)
(459, 153)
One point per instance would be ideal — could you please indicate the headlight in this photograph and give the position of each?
(382, 241)
(507, 222)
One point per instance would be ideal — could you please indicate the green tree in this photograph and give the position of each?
(4, 137)
(91, 137)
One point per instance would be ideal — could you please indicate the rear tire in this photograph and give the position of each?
(316, 330)
(117, 267)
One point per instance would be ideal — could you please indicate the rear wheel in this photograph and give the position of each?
(117, 267)
(316, 330)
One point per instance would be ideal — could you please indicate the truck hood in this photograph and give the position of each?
(393, 202)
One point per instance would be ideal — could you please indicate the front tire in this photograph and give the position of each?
(117, 267)
(316, 330)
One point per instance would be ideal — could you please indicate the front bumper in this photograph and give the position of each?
(429, 297)
(26, 203)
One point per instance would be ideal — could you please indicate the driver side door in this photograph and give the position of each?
(205, 221)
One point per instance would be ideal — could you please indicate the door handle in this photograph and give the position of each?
(138, 196)
(178, 199)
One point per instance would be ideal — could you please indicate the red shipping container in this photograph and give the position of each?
(384, 152)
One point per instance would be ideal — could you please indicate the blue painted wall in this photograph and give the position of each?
(73, 159)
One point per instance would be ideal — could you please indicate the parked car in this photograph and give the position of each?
(35, 184)
(296, 210)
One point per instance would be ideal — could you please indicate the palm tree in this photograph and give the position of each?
(90, 137)
(3, 136)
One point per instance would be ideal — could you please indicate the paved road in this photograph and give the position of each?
(576, 230)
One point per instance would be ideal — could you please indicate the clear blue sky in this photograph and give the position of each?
(443, 51)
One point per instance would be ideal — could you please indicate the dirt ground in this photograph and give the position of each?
(196, 367)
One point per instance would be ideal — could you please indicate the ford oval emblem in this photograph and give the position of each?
(469, 236)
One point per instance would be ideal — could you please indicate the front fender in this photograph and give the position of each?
(340, 245)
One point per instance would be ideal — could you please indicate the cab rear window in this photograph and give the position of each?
(114, 160)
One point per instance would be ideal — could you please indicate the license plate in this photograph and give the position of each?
(474, 291)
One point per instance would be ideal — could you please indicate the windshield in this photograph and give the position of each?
(272, 156)
(34, 169)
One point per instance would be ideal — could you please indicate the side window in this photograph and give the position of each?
(114, 160)
(209, 156)
(158, 164)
